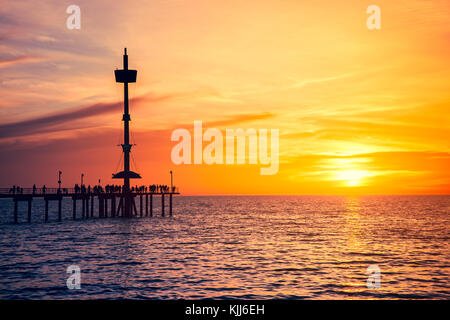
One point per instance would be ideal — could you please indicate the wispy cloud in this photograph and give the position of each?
(16, 60)
(303, 83)
(240, 118)
(52, 122)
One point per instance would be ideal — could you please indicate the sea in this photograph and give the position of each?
(233, 247)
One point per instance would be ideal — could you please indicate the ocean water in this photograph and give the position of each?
(245, 247)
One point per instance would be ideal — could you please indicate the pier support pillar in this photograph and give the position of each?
(46, 211)
(146, 205)
(113, 206)
(92, 206)
(151, 205)
(29, 210)
(140, 205)
(120, 208)
(170, 205)
(74, 209)
(59, 209)
(106, 208)
(128, 205)
(162, 205)
(133, 204)
(83, 208)
(100, 207)
(16, 211)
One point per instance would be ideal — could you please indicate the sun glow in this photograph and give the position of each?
(352, 178)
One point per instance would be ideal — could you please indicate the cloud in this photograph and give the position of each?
(301, 84)
(53, 122)
(60, 121)
(375, 161)
(232, 120)
(239, 119)
(16, 60)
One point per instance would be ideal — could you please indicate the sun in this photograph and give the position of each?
(352, 178)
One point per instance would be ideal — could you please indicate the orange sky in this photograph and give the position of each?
(359, 111)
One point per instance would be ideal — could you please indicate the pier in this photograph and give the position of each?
(114, 201)
(120, 201)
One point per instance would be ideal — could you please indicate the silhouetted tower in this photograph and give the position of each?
(126, 76)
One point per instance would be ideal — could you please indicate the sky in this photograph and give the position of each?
(358, 111)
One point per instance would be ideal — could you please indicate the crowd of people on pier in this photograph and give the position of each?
(109, 188)
(16, 190)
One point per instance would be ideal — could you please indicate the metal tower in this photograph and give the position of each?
(126, 76)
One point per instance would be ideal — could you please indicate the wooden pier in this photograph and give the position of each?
(110, 204)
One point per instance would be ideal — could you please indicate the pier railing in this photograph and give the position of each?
(36, 191)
